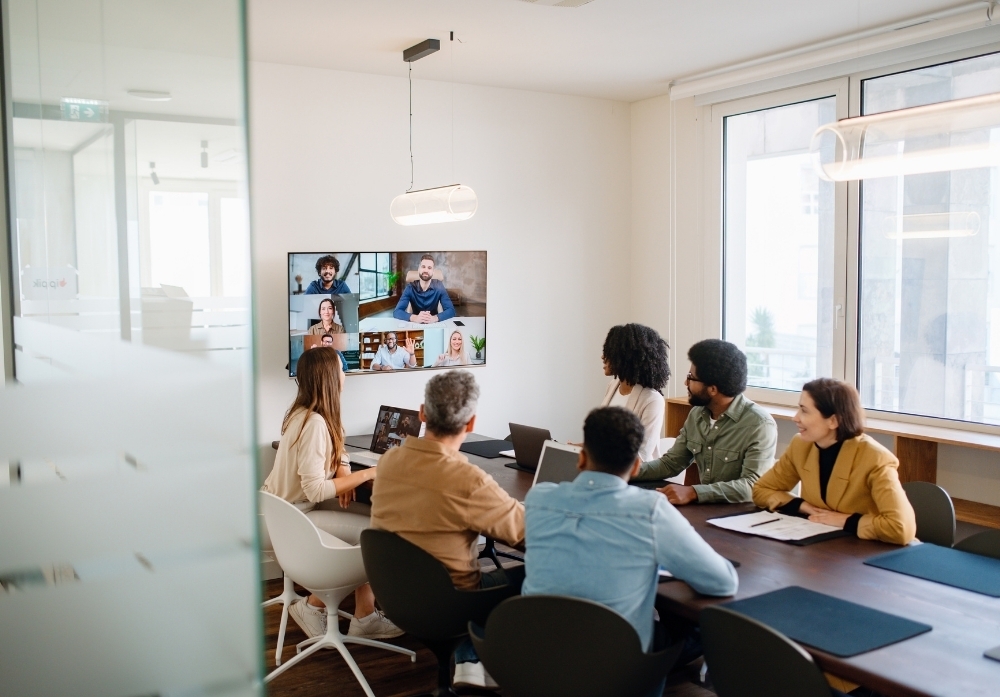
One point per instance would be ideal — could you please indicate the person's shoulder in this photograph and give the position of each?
(540, 492)
(799, 446)
(435, 283)
(757, 413)
(648, 396)
(871, 449)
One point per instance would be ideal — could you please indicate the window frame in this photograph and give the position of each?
(847, 264)
(837, 88)
(361, 270)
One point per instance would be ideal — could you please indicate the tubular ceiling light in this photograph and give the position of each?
(443, 204)
(934, 138)
(924, 226)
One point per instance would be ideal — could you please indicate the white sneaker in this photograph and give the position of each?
(473, 675)
(311, 619)
(375, 626)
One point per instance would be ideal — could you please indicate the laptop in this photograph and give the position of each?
(392, 427)
(558, 463)
(528, 442)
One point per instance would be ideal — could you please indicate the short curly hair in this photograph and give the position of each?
(720, 364)
(328, 260)
(612, 437)
(636, 354)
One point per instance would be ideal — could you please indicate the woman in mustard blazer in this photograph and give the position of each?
(848, 480)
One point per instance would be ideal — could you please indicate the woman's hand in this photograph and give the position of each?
(832, 518)
(808, 509)
(346, 498)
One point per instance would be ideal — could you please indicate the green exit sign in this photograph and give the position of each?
(91, 110)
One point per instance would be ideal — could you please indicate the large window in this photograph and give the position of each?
(893, 282)
(779, 244)
(929, 335)
(373, 269)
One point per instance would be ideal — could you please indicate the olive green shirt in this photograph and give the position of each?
(731, 455)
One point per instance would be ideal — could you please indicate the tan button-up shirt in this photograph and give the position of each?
(439, 501)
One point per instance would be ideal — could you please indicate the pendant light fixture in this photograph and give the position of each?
(954, 135)
(441, 204)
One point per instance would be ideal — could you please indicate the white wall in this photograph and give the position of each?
(329, 151)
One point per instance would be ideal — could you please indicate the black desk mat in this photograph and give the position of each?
(944, 565)
(826, 623)
(486, 448)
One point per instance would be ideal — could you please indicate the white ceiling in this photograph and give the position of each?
(617, 49)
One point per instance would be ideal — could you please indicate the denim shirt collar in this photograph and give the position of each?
(591, 479)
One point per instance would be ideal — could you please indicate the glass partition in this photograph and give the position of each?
(128, 555)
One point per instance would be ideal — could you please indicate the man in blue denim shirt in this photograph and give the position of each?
(600, 539)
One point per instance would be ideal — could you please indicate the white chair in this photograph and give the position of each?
(325, 566)
(287, 596)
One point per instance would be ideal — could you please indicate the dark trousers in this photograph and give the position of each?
(514, 576)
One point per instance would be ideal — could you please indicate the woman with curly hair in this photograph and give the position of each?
(635, 356)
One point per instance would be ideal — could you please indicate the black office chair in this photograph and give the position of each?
(553, 646)
(749, 659)
(986, 544)
(416, 593)
(934, 511)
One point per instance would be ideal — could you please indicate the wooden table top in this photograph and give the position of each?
(947, 661)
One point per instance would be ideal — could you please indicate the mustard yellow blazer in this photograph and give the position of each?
(864, 480)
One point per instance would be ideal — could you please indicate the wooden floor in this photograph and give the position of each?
(389, 674)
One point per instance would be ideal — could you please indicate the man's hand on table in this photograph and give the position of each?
(679, 495)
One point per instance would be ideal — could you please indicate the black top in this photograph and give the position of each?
(827, 460)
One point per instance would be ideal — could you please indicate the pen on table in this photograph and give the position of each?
(773, 520)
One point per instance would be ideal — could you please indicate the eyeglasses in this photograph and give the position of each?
(692, 378)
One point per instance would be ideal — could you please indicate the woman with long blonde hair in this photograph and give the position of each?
(456, 353)
(311, 468)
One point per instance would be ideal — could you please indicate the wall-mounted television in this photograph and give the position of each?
(389, 311)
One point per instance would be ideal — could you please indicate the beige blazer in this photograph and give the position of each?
(864, 480)
(648, 405)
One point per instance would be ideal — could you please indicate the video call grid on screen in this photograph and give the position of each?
(354, 302)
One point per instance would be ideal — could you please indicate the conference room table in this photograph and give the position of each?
(948, 661)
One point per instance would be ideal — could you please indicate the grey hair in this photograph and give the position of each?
(450, 401)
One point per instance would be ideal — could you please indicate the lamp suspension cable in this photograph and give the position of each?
(409, 74)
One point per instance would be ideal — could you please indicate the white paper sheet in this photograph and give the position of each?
(773, 525)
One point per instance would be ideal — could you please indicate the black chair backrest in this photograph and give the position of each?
(549, 646)
(416, 591)
(986, 544)
(748, 659)
(934, 511)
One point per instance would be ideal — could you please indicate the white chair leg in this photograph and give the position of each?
(381, 645)
(302, 644)
(302, 656)
(349, 659)
(286, 598)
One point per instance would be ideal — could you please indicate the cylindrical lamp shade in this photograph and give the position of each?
(445, 204)
(960, 134)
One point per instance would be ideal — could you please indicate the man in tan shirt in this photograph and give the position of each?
(429, 493)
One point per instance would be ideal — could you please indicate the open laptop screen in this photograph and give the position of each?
(393, 426)
(557, 463)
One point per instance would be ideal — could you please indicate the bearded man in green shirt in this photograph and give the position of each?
(729, 438)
